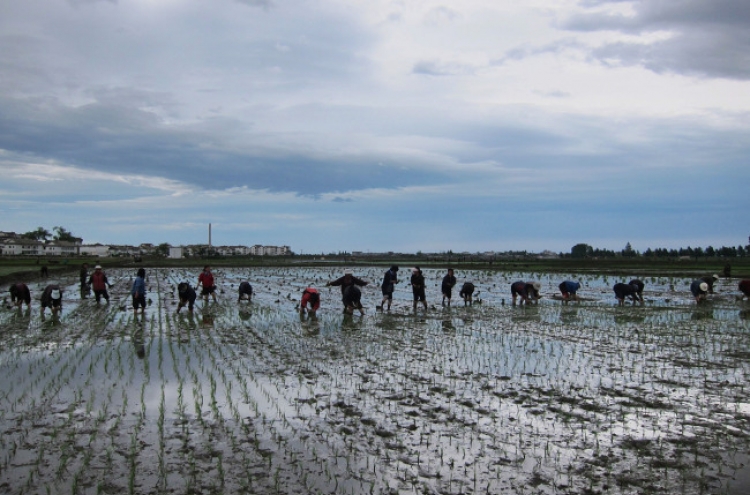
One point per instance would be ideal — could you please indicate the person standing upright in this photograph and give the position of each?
(390, 279)
(99, 283)
(418, 287)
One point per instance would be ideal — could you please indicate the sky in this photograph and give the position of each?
(378, 125)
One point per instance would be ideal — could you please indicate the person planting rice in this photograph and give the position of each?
(19, 294)
(527, 291)
(99, 283)
(745, 289)
(139, 291)
(187, 296)
(699, 289)
(348, 280)
(245, 291)
(447, 286)
(352, 300)
(638, 284)
(710, 281)
(623, 290)
(310, 296)
(207, 282)
(466, 293)
(417, 287)
(569, 290)
(390, 279)
(52, 298)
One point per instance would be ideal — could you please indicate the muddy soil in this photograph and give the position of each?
(241, 397)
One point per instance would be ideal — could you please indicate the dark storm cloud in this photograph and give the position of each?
(709, 38)
(121, 139)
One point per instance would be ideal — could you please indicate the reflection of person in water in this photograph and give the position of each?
(569, 313)
(207, 319)
(139, 342)
(310, 323)
(349, 323)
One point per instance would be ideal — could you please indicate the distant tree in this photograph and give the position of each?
(162, 249)
(40, 234)
(628, 251)
(710, 252)
(62, 234)
(581, 250)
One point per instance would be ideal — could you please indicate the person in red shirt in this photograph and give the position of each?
(206, 281)
(19, 294)
(310, 296)
(99, 283)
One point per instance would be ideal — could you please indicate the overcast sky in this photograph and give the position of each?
(378, 125)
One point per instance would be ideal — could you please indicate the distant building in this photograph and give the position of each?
(99, 250)
(176, 252)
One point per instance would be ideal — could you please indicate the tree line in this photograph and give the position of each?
(58, 234)
(583, 250)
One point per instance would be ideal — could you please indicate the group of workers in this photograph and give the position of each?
(351, 295)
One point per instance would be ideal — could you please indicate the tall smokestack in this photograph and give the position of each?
(209, 236)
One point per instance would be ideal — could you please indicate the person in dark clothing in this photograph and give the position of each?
(466, 293)
(745, 289)
(345, 282)
(84, 278)
(52, 298)
(569, 290)
(245, 291)
(527, 291)
(417, 287)
(638, 284)
(623, 290)
(390, 279)
(44, 271)
(352, 300)
(447, 286)
(138, 291)
(187, 296)
(699, 288)
(710, 281)
(19, 294)
(310, 296)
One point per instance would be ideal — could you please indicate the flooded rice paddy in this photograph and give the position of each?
(553, 398)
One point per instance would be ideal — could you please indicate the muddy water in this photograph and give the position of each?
(492, 398)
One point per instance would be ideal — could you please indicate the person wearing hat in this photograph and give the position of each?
(745, 289)
(19, 294)
(345, 282)
(52, 298)
(699, 288)
(527, 291)
(390, 279)
(99, 283)
(446, 287)
(466, 293)
(569, 290)
(623, 290)
(310, 296)
(417, 287)
(710, 281)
